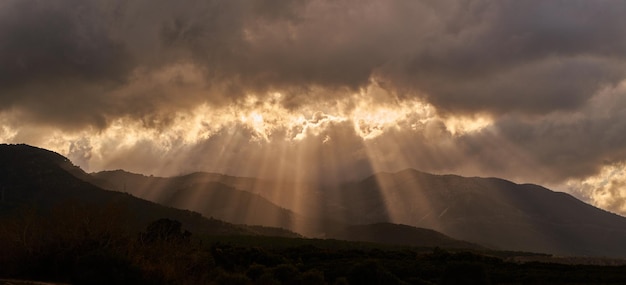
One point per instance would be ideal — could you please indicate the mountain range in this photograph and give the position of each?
(493, 212)
(406, 207)
(34, 179)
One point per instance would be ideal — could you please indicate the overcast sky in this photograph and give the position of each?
(532, 91)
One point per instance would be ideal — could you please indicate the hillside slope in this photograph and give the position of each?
(208, 194)
(45, 181)
(34, 180)
(489, 211)
(201, 193)
(388, 233)
(492, 212)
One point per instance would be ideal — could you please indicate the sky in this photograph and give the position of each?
(325, 91)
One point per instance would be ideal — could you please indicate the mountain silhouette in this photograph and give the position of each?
(489, 211)
(385, 207)
(283, 195)
(37, 179)
(492, 212)
(200, 192)
(400, 234)
(207, 193)
(43, 180)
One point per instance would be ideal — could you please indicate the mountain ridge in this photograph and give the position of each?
(45, 180)
(490, 211)
(493, 212)
(313, 227)
(200, 192)
(57, 184)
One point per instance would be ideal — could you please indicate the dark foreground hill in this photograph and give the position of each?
(489, 211)
(56, 227)
(388, 233)
(34, 179)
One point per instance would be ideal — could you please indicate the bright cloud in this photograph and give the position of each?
(531, 91)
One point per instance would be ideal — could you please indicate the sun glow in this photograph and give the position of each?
(371, 121)
(604, 190)
(266, 120)
(465, 124)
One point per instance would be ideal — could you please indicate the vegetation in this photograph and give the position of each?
(92, 245)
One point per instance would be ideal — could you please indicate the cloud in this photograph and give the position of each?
(577, 143)
(604, 190)
(485, 56)
(527, 90)
(531, 56)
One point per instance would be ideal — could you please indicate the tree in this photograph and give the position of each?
(165, 230)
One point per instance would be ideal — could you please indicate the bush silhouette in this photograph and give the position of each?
(313, 277)
(255, 271)
(287, 274)
(105, 268)
(370, 272)
(165, 230)
(465, 273)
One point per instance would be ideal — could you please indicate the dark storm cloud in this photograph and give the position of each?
(538, 68)
(45, 40)
(555, 147)
(532, 56)
(56, 57)
(73, 64)
(494, 56)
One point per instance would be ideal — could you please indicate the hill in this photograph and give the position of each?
(200, 192)
(43, 181)
(387, 233)
(208, 194)
(47, 183)
(492, 212)
(489, 211)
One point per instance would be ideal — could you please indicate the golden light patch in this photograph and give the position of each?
(372, 113)
(7, 133)
(605, 190)
(458, 125)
